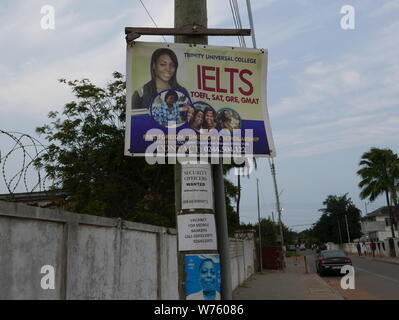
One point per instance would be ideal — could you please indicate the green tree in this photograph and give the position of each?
(289, 235)
(307, 237)
(331, 226)
(233, 218)
(235, 194)
(380, 175)
(270, 232)
(85, 158)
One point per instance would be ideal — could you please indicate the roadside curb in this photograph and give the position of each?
(390, 262)
(378, 259)
(335, 291)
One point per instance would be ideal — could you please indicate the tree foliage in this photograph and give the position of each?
(85, 158)
(331, 226)
(270, 232)
(380, 174)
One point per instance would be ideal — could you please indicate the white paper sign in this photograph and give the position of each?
(196, 232)
(197, 187)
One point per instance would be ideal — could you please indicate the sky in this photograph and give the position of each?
(332, 93)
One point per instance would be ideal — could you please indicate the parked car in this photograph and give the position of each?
(302, 247)
(291, 247)
(331, 261)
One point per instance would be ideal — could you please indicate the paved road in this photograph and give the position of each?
(373, 279)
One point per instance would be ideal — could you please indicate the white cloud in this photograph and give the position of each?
(219, 12)
(75, 49)
(39, 92)
(387, 8)
(351, 78)
(281, 64)
(343, 103)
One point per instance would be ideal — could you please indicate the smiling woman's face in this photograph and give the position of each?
(199, 118)
(209, 118)
(164, 68)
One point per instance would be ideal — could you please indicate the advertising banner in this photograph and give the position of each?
(191, 98)
(203, 277)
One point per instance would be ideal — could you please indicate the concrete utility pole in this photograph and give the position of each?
(279, 209)
(190, 13)
(347, 228)
(260, 234)
(339, 230)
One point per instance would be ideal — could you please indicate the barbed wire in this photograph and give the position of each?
(29, 149)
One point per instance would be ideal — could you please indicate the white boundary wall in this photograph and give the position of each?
(94, 257)
(382, 248)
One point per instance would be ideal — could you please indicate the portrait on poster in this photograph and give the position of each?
(203, 277)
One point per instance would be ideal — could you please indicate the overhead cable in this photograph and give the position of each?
(153, 21)
(237, 20)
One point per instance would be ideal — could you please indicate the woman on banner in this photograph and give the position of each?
(209, 118)
(163, 68)
(197, 120)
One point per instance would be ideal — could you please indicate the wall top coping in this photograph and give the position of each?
(23, 211)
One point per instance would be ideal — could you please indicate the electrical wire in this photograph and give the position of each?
(234, 19)
(153, 21)
(237, 20)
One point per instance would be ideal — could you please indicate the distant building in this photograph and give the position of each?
(376, 225)
(44, 199)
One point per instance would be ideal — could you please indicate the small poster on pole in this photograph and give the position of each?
(203, 277)
(196, 232)
(197, 187)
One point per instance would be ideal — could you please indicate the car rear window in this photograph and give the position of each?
(335, 253)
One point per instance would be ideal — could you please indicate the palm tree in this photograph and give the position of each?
(380, 174)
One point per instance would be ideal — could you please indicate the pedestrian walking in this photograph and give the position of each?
(359, 249)
(373, 247)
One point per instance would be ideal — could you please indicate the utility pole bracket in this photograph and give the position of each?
(189, 30)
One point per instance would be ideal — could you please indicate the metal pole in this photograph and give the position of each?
(222, 232)
(251, 22)
(347, 228)
(260, 234)
(306, 264)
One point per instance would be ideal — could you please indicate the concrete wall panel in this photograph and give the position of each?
(94, 257)
(25, 247)
(139, 265)
(95, 263)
